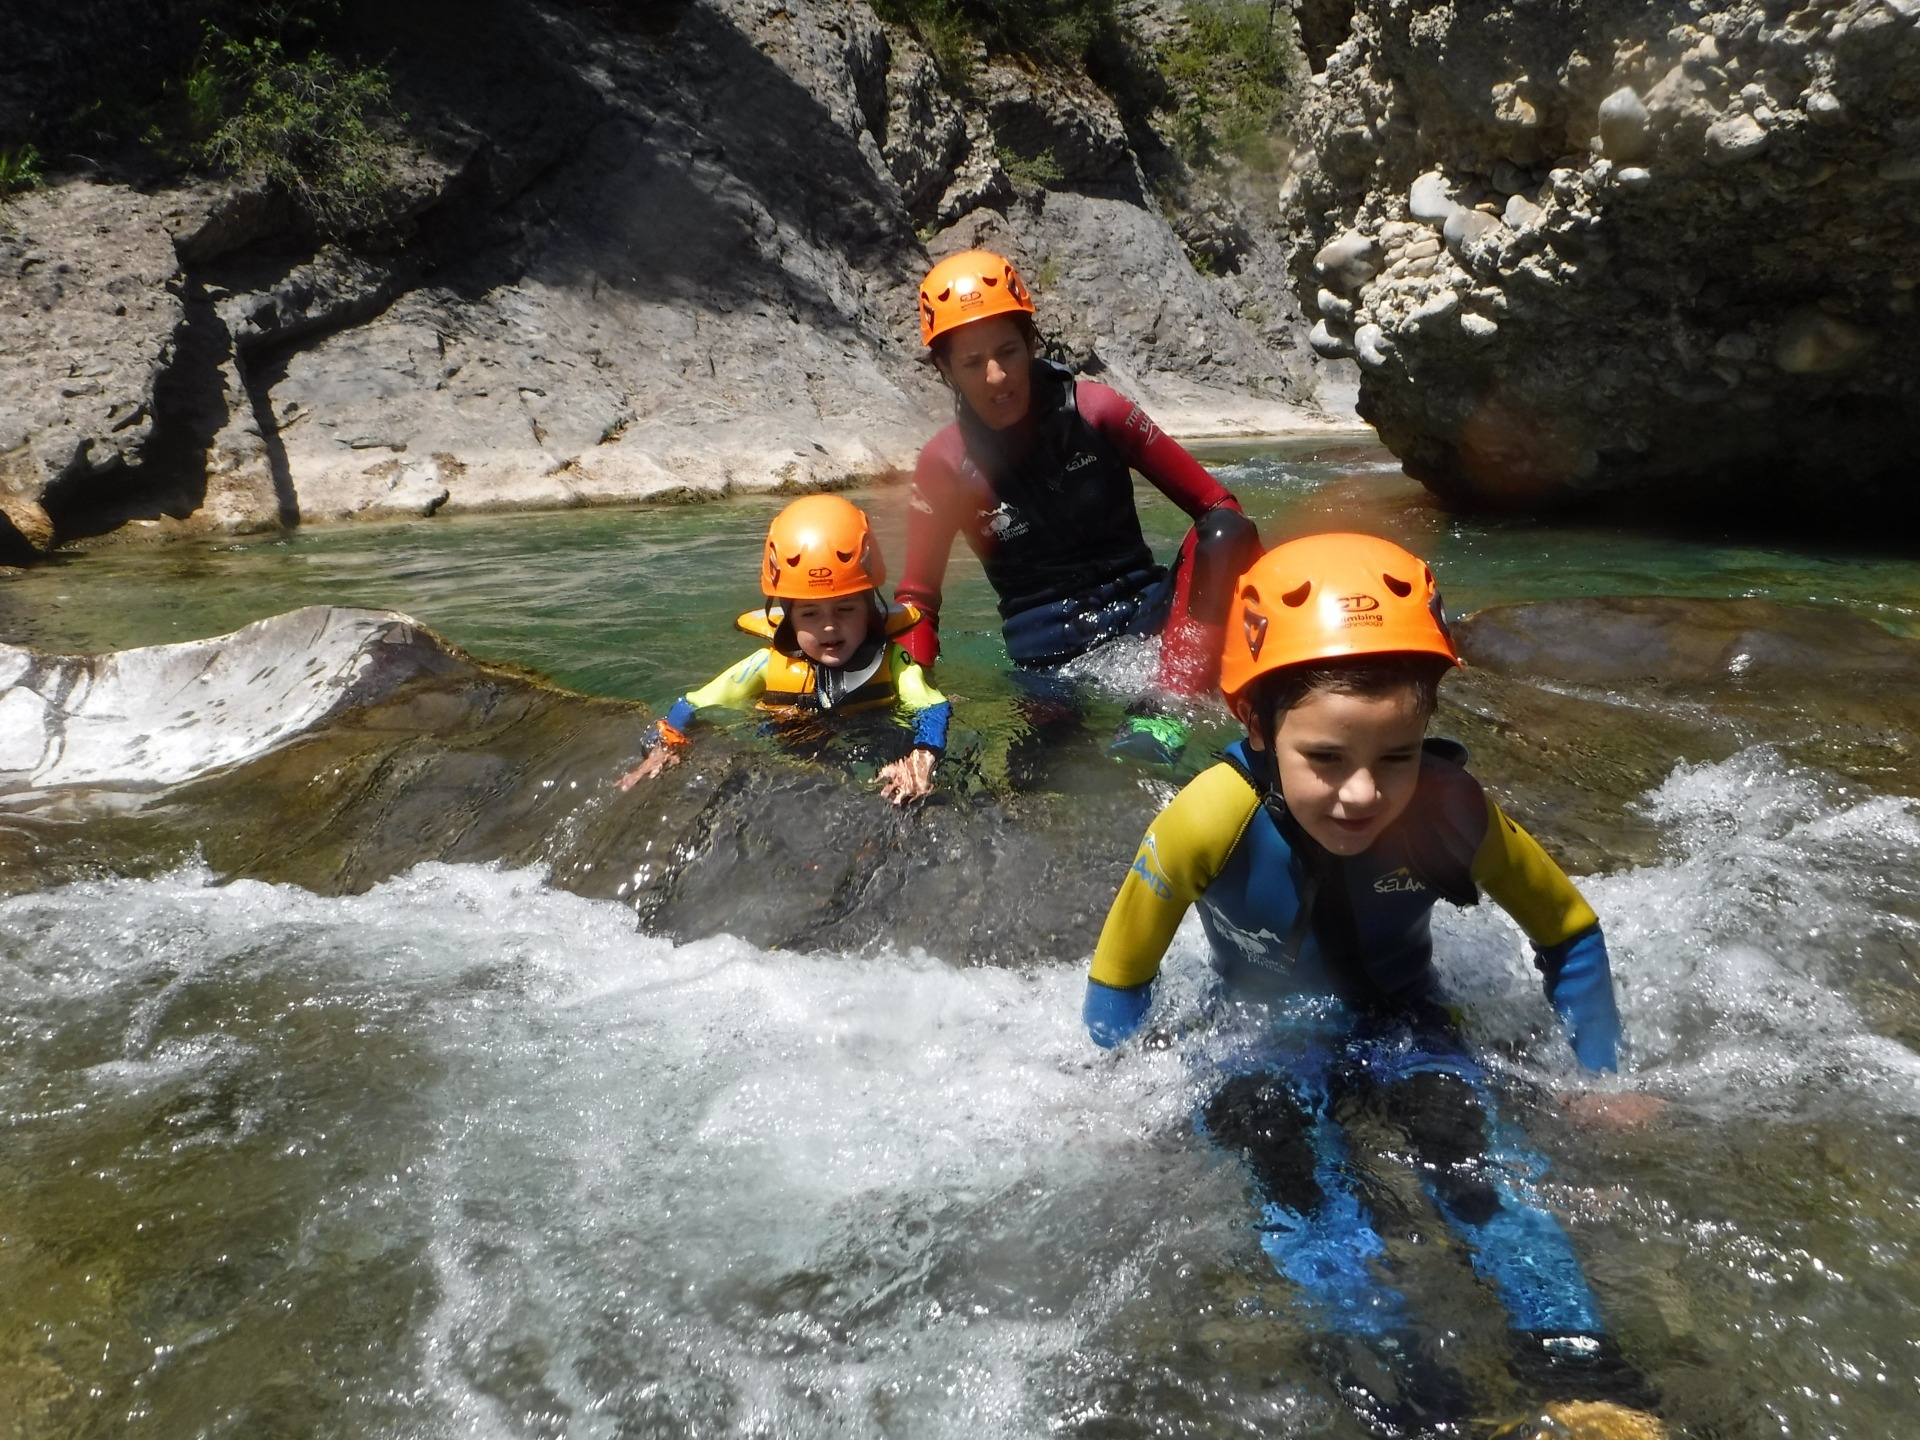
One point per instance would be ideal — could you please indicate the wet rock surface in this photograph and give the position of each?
(1609, 250)
(406, 751)
(409, 752)
(665, 255)
(1576, 708)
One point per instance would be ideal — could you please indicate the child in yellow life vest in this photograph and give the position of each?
(1315, 852)
(833, 646)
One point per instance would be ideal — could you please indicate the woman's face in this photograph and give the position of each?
(989, 363)
(828, 632)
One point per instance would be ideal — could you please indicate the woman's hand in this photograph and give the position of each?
(1612, 1109)
(909, 778)
(661, 757)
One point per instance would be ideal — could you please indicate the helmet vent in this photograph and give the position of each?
(845, 555)
(793, 562)
(1298, 597)
(1402, 588)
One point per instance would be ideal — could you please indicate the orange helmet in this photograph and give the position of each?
(1327, 596)
(818, 547)
(967, 287)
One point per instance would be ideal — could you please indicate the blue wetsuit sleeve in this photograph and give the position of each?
(930, 709)
(1182, 852)
(930, 726)
(1579, 983)
(670, 727)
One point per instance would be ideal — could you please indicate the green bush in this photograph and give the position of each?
(1232, 69)
(943, 28)
(1032, 172)
(309, 125)
(19, 169)
(1062, 31)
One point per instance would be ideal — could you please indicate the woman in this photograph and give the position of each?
(1035, 473)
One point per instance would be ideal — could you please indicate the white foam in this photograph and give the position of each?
(797, 1187)
(1734, 960)
(716, 1189)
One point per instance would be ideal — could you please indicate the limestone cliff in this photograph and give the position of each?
(647, 248)
(1663, 252)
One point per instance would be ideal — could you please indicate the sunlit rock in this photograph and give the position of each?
(1624, 133)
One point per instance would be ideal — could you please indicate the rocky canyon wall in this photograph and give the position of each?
(646, 249)
(1660, 253)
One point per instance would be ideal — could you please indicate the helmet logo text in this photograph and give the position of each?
(1358, 604)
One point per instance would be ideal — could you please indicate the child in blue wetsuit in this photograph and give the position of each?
(832, 646)
(1316, 850)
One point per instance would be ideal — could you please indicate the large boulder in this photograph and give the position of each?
(1581, 250)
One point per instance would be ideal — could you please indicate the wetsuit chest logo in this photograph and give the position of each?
(1400, 882)
(1081, 461)
(1002, 522)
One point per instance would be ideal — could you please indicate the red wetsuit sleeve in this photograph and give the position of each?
(1151, 451)
(933, 519)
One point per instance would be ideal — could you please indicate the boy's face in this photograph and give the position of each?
(829, 631)
(1348, 764)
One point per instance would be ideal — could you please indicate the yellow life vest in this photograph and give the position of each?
(793, 681)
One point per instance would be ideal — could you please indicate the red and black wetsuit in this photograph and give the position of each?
(1047, 505)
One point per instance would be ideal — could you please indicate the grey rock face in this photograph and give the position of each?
(1617, 194)
(636, 260)
(86, 327)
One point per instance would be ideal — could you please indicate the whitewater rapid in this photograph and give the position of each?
(480, 1159)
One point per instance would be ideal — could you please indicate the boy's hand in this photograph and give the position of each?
(1615, 1110)
(909, 778)
(661, 757)
(1111, 1013)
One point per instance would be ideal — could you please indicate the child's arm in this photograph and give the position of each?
(736, 687)
(1183, 851)
(911, 777)
(1568, 947)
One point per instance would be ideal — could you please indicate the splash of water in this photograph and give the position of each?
(468, 1155)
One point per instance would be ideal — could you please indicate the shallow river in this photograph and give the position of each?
(467, 1155)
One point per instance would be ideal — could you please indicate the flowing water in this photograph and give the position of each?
(466, 1155)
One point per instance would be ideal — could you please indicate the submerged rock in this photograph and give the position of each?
(1575, 706)
(1664, 638)
(337, 748)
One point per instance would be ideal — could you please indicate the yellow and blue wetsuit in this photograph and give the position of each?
(1342, 949)
(780, 678)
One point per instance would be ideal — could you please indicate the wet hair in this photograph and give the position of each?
(1028, 331)
(1371, 677)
